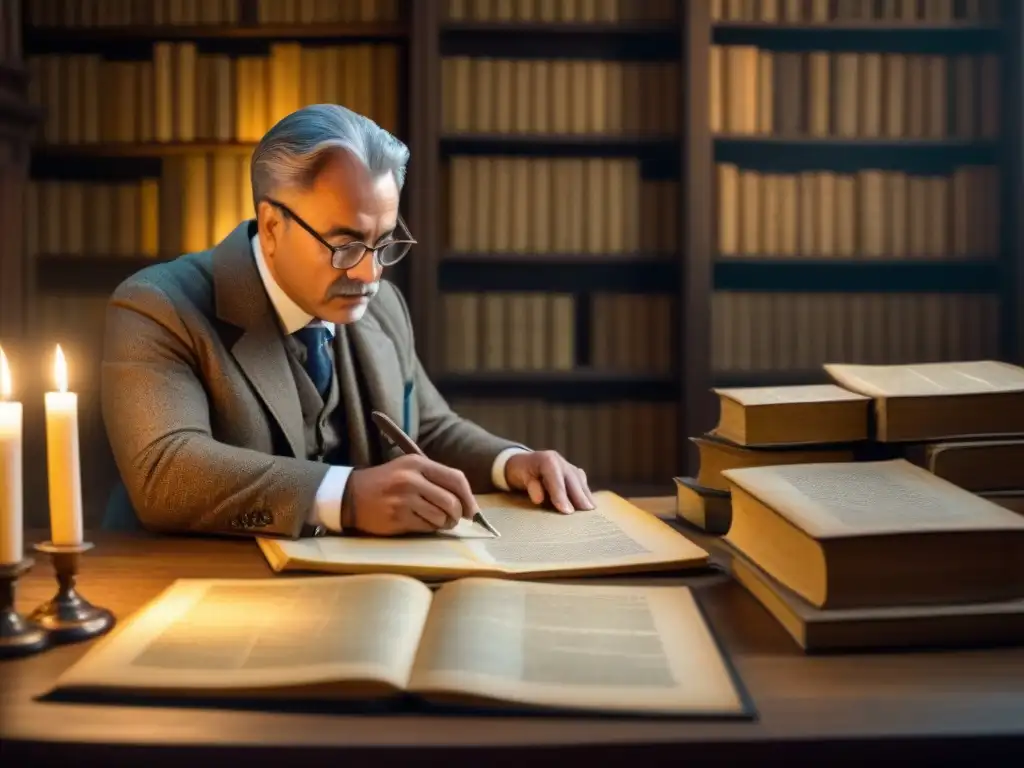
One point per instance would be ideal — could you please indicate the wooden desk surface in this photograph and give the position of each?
(937, 706)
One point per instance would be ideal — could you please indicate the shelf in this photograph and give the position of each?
(885, 275)
(579, 385)
(558, 272)
(786, 152)
(727, 379)
(87, 274)
(62, 39)
(582, 145)
(149, 149)
(624, 40)
(860, 36)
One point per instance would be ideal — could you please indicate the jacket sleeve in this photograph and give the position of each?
(443, 435)
(157, 416)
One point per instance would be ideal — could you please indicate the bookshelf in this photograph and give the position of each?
(579, 180)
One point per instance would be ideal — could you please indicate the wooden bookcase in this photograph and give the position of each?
(694, 274)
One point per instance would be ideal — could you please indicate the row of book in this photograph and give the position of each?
(824, 11)
(197, 200)
(618, 443)
(112, 13)
(549, 11)
(518, 331)
(870, 214)
(849, 94)
(559, 96)
(875, 511)
(765, 332)
(184, 94)
(499, 204)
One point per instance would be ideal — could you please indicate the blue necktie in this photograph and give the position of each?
(318, 359)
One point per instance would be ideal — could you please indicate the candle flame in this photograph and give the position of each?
(6, 388)
(60, 371)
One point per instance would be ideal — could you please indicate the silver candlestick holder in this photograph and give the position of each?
(68, 617)
(18, 636)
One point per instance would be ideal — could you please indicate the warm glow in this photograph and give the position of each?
(60, 371)
(6, 388)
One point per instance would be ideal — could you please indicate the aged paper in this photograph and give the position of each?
(590, 647)
(227, 634)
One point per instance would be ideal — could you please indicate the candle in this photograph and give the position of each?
(62, 460)
(11, 500)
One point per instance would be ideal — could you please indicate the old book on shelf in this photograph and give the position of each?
(718, 454)
(932, 401)
(615, 537)
(706, 508)
(963, 625)
(871, 534)
(802, 414)
(976, 465)
(477, 641)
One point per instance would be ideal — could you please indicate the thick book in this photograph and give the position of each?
(706, 508)
(476, 642)
(871, 534)
(918, 627)
(976, 465)
(615, 537)
(932, 401)
(796, 415)
(717, 454)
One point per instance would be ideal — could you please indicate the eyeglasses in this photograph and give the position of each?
(347, 256)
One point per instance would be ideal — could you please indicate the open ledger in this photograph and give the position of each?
(479, 642)
(615, 537)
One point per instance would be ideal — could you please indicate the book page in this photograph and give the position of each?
(422, 556)
(925, 379)
(615, 534)
(868, 498)
(642, 649)
(801, 393)
(257, 634)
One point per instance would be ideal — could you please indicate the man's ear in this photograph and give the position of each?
(269, 225)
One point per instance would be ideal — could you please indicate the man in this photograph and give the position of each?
(237, 382)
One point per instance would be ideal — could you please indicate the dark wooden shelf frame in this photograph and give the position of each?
(566, 273)
(884, 275)
(87, 274)
(556, 144)
(880, 36)
(60, 39)
(581, 384)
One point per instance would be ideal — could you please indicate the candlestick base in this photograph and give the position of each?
(68, 617)
(18, 636)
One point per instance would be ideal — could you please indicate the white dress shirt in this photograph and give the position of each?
(327, 505)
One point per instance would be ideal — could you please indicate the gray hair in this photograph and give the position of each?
(294, 151)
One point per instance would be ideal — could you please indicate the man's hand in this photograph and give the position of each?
(545, 474)
(410, 494)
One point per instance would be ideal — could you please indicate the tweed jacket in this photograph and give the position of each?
(202, 411)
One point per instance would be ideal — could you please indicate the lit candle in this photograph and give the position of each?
(11, 503)
(62, 460)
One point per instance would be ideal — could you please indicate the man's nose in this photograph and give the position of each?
(367, 270)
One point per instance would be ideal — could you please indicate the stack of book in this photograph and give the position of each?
(877, 511)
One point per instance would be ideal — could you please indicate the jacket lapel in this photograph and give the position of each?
(382, 374)
(259, 351)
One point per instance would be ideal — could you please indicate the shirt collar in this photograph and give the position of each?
(292, 316)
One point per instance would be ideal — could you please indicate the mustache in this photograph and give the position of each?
(350, 288)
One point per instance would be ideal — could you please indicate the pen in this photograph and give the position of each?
(406, 445)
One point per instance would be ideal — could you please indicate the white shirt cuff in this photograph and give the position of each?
(327, 504)
(498, 468)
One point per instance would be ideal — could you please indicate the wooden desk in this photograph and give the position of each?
(921, 707)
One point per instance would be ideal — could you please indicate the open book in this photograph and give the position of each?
(490, 642)
(616, 537)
